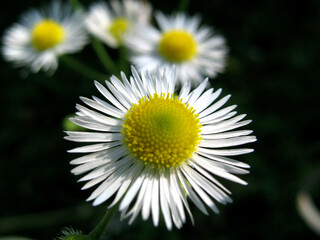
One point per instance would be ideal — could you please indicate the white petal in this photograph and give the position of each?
(105, 169)
(110, 186)
(120, 96)
(197, 92)
(164, 203)
(99, 117)
(213, 128)
(138, 81)
(215, 106)
(229, 142)
(178, 186)
(101, 107)
(98, 155)
(108, 156)
(125, 90)
(184, 93)
(216, 164)
(109, 96)
(134, 188)
(230, 134)
(94, 147)
(94, 182)
(139, 201)
(92, 125)
(225, 152)
(221, 119)
(88, 157)
(222, 159)
(113, 111)
(207, 186)
(203, 101)
(147, 196)
(190, 193)
(227, 127)
(201, 193)
(93, 137)
(174, 211)
(222, 112)
(209, 176)
(174, 191)
(131, 177)
(223, 173)
(155, 200)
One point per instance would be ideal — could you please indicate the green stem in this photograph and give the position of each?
(123, 62)
(183, 5)
(75, 4)
(82, 68)
(99, 230)
(103, 55)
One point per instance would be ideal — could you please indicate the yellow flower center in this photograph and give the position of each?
(118, 28)
(161, 131)
(177, 46)
(47, 34)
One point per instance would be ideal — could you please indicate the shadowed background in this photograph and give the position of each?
(273, 75)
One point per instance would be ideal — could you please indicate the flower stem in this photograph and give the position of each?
(123, 56)
(99, 230)
(103, 55)
(82, 68)
(75, 4)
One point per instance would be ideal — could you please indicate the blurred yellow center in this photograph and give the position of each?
(47, 34)
(161, 131)
(118, 28)
(177, 46)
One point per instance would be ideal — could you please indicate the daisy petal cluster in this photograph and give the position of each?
(153, 152)
(197, 51)
(43, 35)
(112, 23)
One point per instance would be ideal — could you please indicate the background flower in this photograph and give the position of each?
(42, 35)
(196, 50)
(112, 22)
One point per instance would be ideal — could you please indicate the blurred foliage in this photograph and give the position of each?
(14, 238)
(273, 75)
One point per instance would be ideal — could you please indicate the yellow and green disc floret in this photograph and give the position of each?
(47, 34)
(177, 46)
(161, 131)
(118, 27)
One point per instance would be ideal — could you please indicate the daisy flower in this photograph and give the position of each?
(112, 23)
(195, 50)
(155, 150)
(42, 35)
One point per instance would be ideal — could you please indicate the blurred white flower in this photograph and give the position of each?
(196, 51)
(42, 35)
(111, 23)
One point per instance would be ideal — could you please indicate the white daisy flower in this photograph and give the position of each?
(112, 23)
(195, 50)
(42, 35)
(155, 150)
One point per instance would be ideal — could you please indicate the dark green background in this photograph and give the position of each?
(273, 75)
